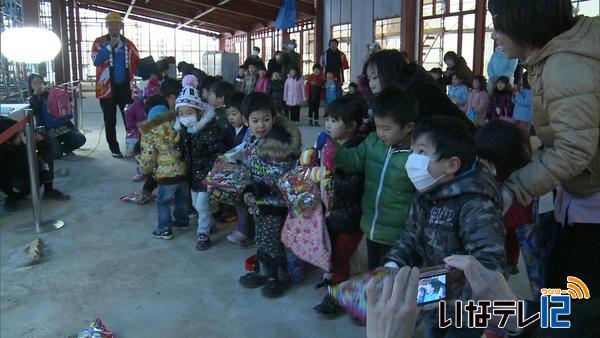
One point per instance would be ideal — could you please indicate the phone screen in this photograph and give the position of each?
(431, 289)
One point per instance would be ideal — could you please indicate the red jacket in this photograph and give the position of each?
(103, 86)
(515, 217)
(315, 80)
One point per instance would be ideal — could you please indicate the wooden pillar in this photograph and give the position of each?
(480, 11)
(319, 26)
(285, 36)
(59, 26)
(81, 76)
(409, 31)
(222, 43)
(248, 45)
(73, 41)
(31, 13)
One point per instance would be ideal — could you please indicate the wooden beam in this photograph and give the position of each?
(319, 26)
(409, 28)
(129, 9)
(239, 9)
(301, 6)
(203, 13)
(480, 12)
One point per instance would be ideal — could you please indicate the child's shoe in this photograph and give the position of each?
(138, 177)
(278, 277)
(167, 234)
(256, 278)
(236, 237)
(328, 307)
(203, 242)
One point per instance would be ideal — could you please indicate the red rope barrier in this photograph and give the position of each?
(8, 133)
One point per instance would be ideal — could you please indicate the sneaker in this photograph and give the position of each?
(236, 237)
(203, 242)
(138, 178)
(167, 234)
(246, 242)
(273, 288)
(328, 307)
(253, 280)
(56, 195)
(117, 155)
(181, 226)
(10, 204)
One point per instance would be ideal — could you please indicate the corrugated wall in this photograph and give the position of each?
(361, 13)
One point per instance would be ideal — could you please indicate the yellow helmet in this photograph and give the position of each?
(113, 17)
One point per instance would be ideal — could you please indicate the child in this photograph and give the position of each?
(239, 79)
(382, 156)
(477, 104)
(202, 140)
(236, 134)
(522, 101)
(501, 106)
(352, 89)
(262, 83)
(250, 79)
(332, 88)
(458, 92)
(437, 75)
(293, 94)
(271, 152)
(218, 92)
(205, 87)
(276, 92)
(161, 159)
(342, 119)
(314, 92)
(457, 210)
(505, 149)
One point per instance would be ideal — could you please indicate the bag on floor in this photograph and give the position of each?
(308, 238)
(59, 104)
(95, 330)
(226, 181)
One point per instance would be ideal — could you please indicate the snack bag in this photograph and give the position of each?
(226, 181)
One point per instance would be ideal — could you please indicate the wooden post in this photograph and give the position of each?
(319, 29)
(79, 52)
(480, 11)
(409, 28)
(73, 41)
(59, 26)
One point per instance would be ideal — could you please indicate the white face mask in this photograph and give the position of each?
(416, 167)
(188, 121)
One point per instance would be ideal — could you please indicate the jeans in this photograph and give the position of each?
(121, 97)
(205, 217)
(66, 143)
(167, 192)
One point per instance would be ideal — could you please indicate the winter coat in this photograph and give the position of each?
(262, 85)
(239, 83)
(341, 64)
(503, 102)
(314, 88)
(333, 90)
(500, 65)
(462, 216)
(233, 139)
(363, 88)
(293, 92)
(462, 69)
(200, 146)
(478, 100)
(249, 83)
(344, 215)
(134, 115)
(290, 59)
(564, 77)
(460, 94)
(276, 90)
(160, 156)
(388, 192)
(103, 76)
(269, 158)
(273, 66)
(254, 60)
(522, 103)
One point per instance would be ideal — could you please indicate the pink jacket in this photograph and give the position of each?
(478, 100)
(262, 85)
(293, 92)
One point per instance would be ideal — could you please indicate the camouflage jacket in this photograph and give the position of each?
(461, 216)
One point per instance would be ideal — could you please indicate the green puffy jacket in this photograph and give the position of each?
(388, 191)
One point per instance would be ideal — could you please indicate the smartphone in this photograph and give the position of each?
(438, 283)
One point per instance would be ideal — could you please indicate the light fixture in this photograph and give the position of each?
(29, 44)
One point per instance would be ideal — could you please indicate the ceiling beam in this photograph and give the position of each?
(203, 13)
(301, 6)
(129, 9)
(263, 14)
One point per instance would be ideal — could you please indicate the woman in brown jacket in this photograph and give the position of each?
(562, 54)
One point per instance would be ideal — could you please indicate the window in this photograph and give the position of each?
(387, 33)
(343, 33)
(589, 8)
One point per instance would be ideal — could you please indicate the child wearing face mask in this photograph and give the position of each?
(202, 141)
(271, 151)
(457, 210)
(381, 157)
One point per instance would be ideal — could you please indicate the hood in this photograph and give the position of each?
(582, 39)
(147, 126)
(284, 141)
(208, 115)
(479, 181)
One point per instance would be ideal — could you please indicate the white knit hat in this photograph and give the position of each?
(189, 98)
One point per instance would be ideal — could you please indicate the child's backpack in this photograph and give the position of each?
(59, 104)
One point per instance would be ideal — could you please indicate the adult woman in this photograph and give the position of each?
(457, 65)
(562, 57)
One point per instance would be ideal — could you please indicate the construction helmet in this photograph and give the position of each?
(113, 17)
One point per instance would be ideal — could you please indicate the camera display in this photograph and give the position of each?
(431, 289)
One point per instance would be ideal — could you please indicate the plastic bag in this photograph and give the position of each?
(226, 181)
(95, 330)
(130, 141)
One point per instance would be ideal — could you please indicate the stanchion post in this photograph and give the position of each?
(79, 110)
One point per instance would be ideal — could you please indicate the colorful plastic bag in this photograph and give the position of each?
(308, 238)
(130, 141)
(226, 181)
(95, 330)
(299, 190)
(352, 294)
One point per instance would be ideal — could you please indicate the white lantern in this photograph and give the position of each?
(29, 44)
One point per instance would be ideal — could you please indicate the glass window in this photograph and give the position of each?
(387, 33)
(589, 8)
(343, 33)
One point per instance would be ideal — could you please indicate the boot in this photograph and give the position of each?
(278, 277)
(258, 277)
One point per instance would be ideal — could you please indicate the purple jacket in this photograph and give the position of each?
(293, 92)
(503, 103)
(134, 114)
(262, 85)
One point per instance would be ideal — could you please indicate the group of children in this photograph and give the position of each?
(505, 103)
(415, 188)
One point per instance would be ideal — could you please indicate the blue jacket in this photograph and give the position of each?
(332, 90)
(522, 101)
(118, 53)
(460, 94)
(500, 65)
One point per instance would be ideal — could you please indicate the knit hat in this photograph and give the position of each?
(189, 98)
(152, 87)
(157, 111)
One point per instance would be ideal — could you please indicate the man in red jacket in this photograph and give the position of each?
(116, 59)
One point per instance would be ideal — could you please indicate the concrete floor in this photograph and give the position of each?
(105, 263)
